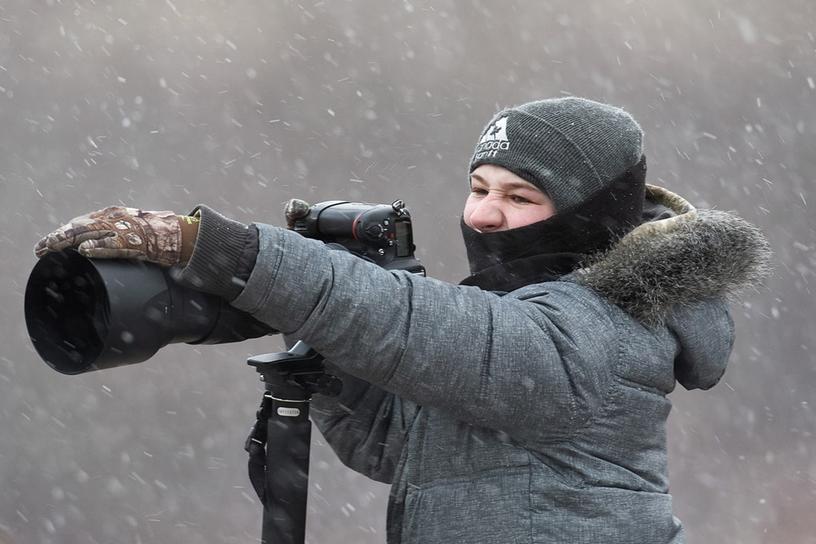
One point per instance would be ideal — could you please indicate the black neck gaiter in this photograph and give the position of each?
(544, 251)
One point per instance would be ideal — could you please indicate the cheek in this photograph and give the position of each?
(529, 215)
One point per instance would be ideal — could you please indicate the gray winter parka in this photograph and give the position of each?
(534, 417)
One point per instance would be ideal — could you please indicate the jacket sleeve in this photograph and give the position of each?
(533, 365)
(364, 425)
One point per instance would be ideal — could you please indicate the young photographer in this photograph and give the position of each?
(529, 402)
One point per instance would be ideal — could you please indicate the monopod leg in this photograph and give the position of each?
(287, 472)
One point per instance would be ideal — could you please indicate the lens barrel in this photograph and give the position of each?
(88, 314)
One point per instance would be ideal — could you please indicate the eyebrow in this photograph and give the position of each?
(509, 184)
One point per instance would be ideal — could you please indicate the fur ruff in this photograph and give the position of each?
(680, 260)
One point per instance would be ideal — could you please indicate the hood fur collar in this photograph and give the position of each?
(682, 257)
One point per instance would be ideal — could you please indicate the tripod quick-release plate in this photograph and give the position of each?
(295, 372)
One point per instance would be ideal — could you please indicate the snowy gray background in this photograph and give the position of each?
(242, 105)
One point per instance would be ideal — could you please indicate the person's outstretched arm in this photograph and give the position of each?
(521, 366)
(533, 364)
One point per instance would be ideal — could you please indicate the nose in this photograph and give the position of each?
(487, 215)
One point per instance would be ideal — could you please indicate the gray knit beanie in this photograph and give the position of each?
(570, 148)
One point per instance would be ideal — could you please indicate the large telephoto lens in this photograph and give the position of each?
(88, 314)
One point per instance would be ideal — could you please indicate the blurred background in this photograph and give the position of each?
(243, 105)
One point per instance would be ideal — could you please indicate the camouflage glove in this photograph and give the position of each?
(117, 232)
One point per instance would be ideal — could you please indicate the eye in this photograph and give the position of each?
(478, 191)
(519, 199)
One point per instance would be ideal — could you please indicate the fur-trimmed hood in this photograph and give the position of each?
(670, 268)
(679, 256)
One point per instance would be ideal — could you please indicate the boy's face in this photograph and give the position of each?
(501, 200)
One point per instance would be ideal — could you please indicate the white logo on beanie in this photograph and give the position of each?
(493, 140)
(496, 132)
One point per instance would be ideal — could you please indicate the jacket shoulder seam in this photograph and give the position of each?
(577, 424)
(606, 390)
